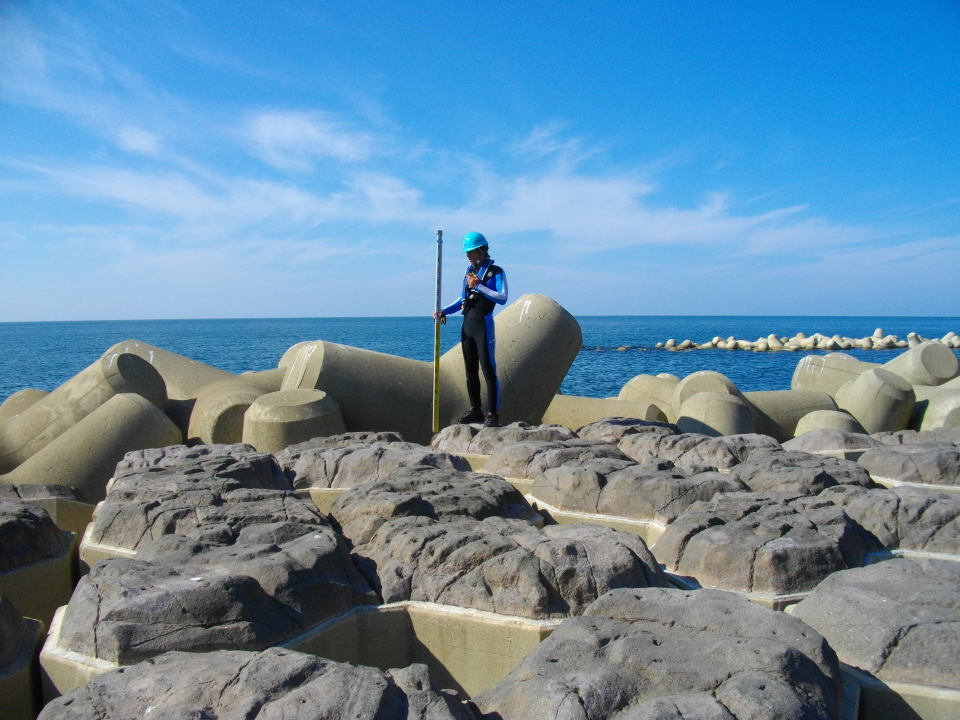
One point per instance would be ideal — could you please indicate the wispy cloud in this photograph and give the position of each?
(293, 140)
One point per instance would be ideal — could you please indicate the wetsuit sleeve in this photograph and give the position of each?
(458, 303)
(497, 293)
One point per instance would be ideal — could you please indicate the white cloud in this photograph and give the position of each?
(135, 140)
(291, 140)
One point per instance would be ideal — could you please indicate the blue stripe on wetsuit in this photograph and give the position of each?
(492, 287)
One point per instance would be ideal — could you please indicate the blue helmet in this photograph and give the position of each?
(473, 241)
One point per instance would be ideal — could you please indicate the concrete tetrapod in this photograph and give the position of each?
(878, 399)
(715, 414)
(926, 364)
(573, 411)
(24, 434)
(184, 377)
(19, 401)
(85, 456)
(217, 416)
(277, 420)
(827, 373)
(704, 381)
(829, 420)
(777, 412)
(537, 342)
(659, 389)
(936, 407)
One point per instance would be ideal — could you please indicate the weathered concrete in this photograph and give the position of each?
(20, 401)
(267, 380)
(28, 432)
(184, 378)
(828, 420)
(537, 342)
(778, 412)
(715, 414)
(19, 682)
(217, 416)
(659, 389)
(85, 456)
(277, 420)
(878, 399)
(699, 382)
(926, 364)
(671, 654)
(936, 407)
(827, 373)
(573, 411)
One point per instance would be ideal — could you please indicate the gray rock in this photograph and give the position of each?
(828, 439)
(426, 492)
(275, 683)
(694, 453)
(361, 463)
(504, 566)
(27, 535)
(914, 463)
(37, 491)
(13, 630)
(183, 594)
(764, 542)
(143, 507)
(239, 462)
(653, 491)
(799, 472)
(532, 458)
(671, 654)
(288, 457)
(483, 441)
(903, 517)
(898, 620)
(613, 429)
(937, 436)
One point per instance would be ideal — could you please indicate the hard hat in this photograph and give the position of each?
(473, 241)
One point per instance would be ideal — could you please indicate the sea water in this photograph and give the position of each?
(43, 355)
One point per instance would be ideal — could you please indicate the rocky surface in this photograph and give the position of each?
(613, 429)
(238, 462)
(903, 517)
(667, 654)
(183, 594)
(938, 436)
(360, 463)
(27, 535)
(480, 440)
(13, 630)
(799, 472)
(426, 492)
(693, 453)
(275, 683)
(289, 456)
(914, 463)
(654, 490)
(898, 620)
(532, 458)
(765, 542)
(830, 440)
(37, 491)
(217, 506)
(504, 566)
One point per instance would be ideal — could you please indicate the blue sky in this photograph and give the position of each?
(267, 159)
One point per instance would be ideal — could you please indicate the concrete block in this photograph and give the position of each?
(537, 342)
(84, 457)
(647, 388)
(926, 364)
(20, 401)
(19, 679)
(28, 432)
(39, 588)
(184, 377)
(777, 412)
(275, 421)
(936, 407)
(704, 381)
(217, 416)
(715, 414)
(828, 420)
(827, 373)
(878, 399)
(267, 380)
(574, 412)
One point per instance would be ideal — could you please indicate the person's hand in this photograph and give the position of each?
(472, 281)
(438, 315)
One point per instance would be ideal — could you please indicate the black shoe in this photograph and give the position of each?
(493, 420)
(473, 415)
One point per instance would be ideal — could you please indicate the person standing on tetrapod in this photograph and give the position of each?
(484, 287)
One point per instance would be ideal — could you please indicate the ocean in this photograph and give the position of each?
(44, 354)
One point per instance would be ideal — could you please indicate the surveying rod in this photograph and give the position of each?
(436, 339)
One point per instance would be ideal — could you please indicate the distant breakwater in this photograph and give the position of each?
(818, 341)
